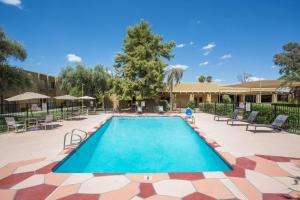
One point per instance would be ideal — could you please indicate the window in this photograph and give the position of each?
(250, 98)
(42, 84)
(266, 98)
(282, 97)
(51, 85)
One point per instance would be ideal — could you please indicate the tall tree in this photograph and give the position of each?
(174, 74)
(289, 60)
(11, 77)
(289, 63)
(139, 68)
(201, 79)
(245, 77)
(95, 81)
(209, 79)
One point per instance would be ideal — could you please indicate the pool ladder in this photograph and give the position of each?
(193, 119)
(75, 138)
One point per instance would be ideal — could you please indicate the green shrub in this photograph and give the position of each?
(191, 104)
(226, 98)
(165, 105)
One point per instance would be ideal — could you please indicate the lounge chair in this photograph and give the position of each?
(249, 120)
(47, 122)
(139, 109)
(275, 126)
(11, 123)
(161, 109)
(234, 115)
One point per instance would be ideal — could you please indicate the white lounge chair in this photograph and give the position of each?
(161, 109)
(12, 124)
(139, 109)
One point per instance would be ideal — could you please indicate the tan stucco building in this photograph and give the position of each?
(264, 91)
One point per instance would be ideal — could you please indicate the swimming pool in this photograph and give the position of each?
(143, 145)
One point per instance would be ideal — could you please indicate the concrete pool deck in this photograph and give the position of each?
(263, 164)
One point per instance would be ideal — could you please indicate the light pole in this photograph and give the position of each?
(82, 96)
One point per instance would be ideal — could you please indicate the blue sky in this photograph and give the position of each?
(214, 37)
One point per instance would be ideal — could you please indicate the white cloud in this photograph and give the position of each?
(226, 56)
(273, 66)
(209, 46)
(254, 78)
(203, 63)
(73, 58)
(192, 43)
(180, 45)
(12, 2)
(183, 67)
(217, 80)
(206, 53)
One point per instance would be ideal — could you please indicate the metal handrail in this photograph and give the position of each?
(85, 133)
(72, 140)
(193, 119)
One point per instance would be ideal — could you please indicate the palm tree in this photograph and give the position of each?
(209, 79)
(174, 74)
(201, 79)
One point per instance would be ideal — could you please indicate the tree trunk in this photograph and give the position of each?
(171, 97)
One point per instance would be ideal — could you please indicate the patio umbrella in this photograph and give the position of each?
(66, 97)
(87, 98)
(27, 96)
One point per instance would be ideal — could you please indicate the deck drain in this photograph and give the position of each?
(148, 178)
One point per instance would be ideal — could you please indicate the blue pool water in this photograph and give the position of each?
(143, 145)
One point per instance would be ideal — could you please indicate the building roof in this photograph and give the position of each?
(266, 84)
(255, 86)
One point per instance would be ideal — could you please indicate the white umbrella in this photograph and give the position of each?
(87, 98)
(66, 97)
(27, 96)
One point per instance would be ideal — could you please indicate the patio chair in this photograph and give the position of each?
(249, 120)
(11, 123)
(275, 126)
(76, 114)
(234, 115)
(47, 122)
(189, 114)
(139, 109)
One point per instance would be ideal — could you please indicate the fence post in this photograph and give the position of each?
(275, 110)
(215, 108)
